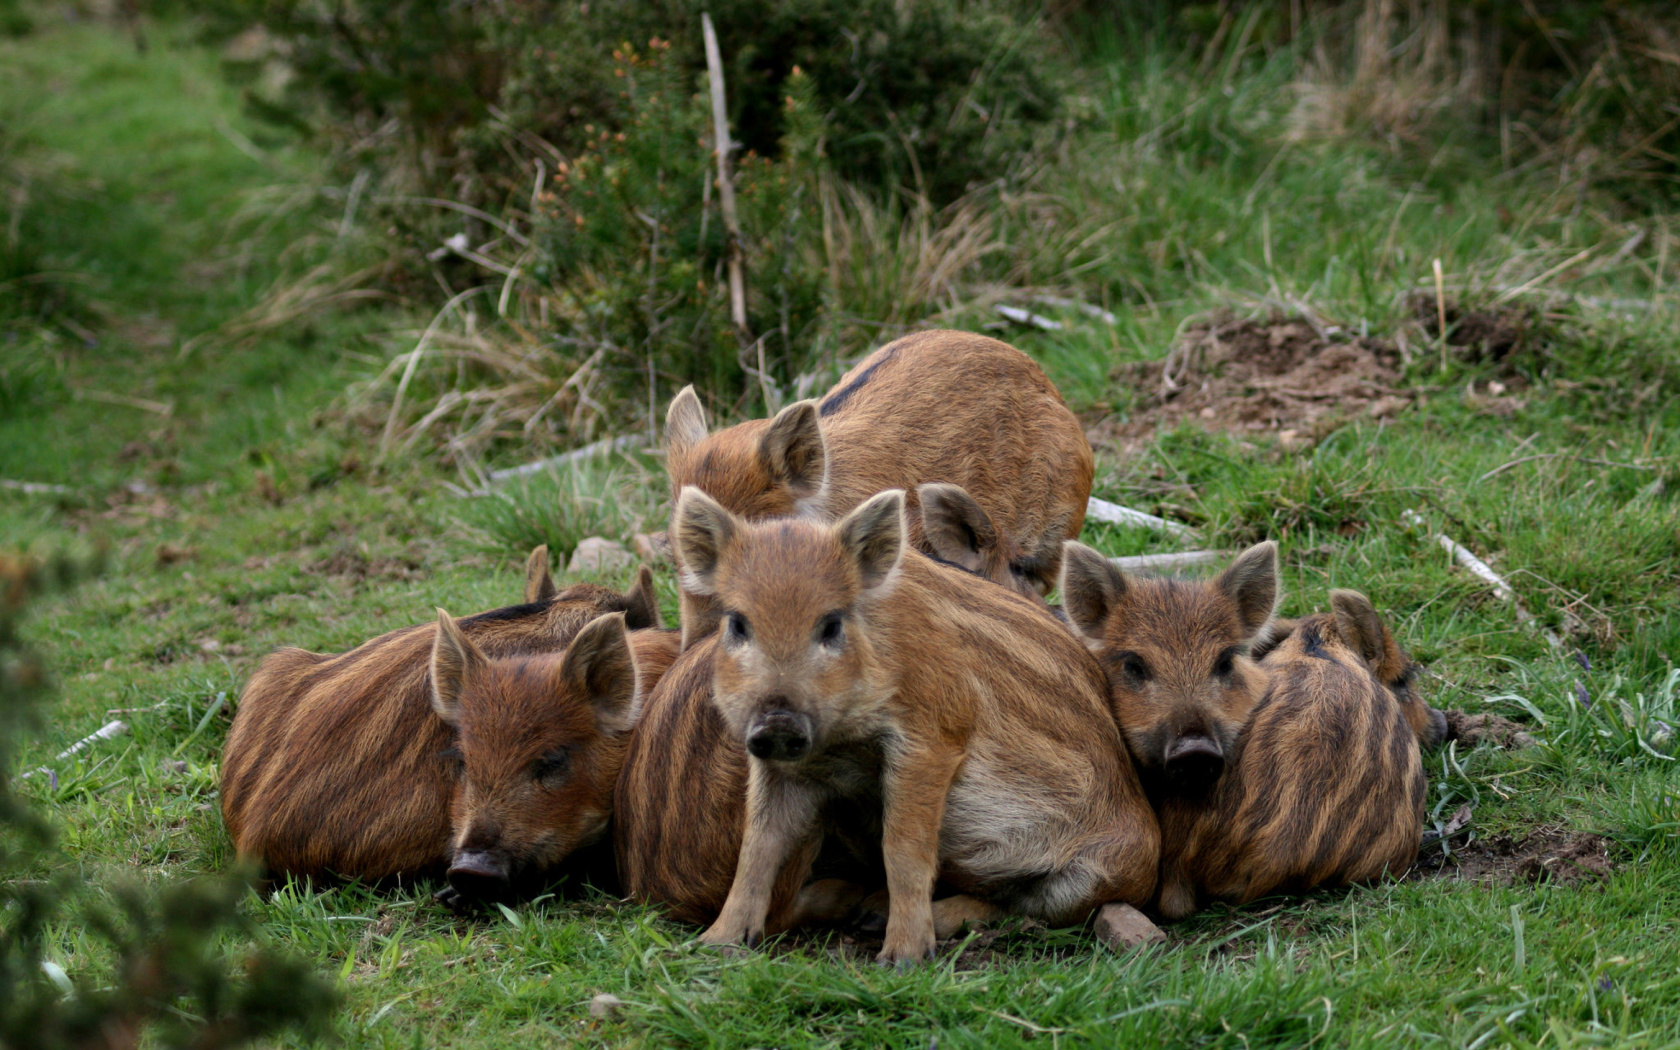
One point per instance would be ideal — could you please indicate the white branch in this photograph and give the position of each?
(1114, 514)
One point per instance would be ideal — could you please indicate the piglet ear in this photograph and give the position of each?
(685, 422)
(874, 536)
(1252, 585)
(792, 452)
(957, 528)
(600, 664)
(1091, 587)
(539, 582)
(456, 661)
(700, 530)
(641, 610)
(1359, 625)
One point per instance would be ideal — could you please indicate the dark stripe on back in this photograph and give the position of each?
(511, 612)
(1312, 641)
(837, 400)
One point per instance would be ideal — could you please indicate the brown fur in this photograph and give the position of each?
(1392, 666)
(1179, 678)
(957, 530)
(539, 742)
(332, 764)
(936, 406)
(680, 801)
(994, 767)
(1327, 786)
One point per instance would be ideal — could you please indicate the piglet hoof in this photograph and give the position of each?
(451, 898)
(909, 952)
(732, 942)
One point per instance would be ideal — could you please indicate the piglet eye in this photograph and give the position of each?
(736, 625)
(1132, 667)
(452, 759)
(1226, 663)
(552, 766)
(832, 630)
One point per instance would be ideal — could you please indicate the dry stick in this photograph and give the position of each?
(104, 732)
(726, 183)
(1501, 589)
(1027, 317)
(1512, 293)
(1441, 313)
(1503, 467)
(1114, 514)
(35, 488)
(1152, 562)
(594, 448)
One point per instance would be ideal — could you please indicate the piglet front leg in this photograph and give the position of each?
(781, 816)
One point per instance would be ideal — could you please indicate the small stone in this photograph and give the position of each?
(595, 554)
(170, 553)
(1123, 927)
(172, 766)
(654, 547)
(605, 1005)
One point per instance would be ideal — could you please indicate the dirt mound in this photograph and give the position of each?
(1481, 334)
(1486, 728)
(1549, 854)
(1285, 374)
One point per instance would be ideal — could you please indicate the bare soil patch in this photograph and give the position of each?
(1548, 854)
(1481, 334)
(1486, 728)
(1286, 375)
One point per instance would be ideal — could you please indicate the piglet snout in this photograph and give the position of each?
(780, 736)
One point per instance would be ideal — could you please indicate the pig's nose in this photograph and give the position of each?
(479, 874)
(780, 736)
(1194, 761)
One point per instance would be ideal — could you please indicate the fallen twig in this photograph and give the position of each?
(1503, 467)
(35, 488)
(1501, 589)
(1154, 562)
(1027, 317)
(1087, 309)
(104, 732)
(1114, 514)
(594, 448)
(162, 408)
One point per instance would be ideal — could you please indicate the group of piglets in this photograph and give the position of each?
(869, 715)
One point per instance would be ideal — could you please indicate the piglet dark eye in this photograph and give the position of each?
(832, 630)
(553, 766)
(736, 625)
(1225, 664)
(1132, 667)
(451, 758)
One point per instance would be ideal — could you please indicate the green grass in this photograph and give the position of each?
(261, 523)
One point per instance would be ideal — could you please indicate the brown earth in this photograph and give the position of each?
(1552, 854)
(1486, 728)
(1285, 376)
(1492, 333)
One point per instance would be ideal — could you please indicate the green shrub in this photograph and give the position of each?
(169, 979)
(936, 95)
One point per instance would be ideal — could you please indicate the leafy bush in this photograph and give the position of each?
(169, 982)
(932, 94)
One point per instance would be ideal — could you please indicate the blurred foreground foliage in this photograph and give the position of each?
(167, 978)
